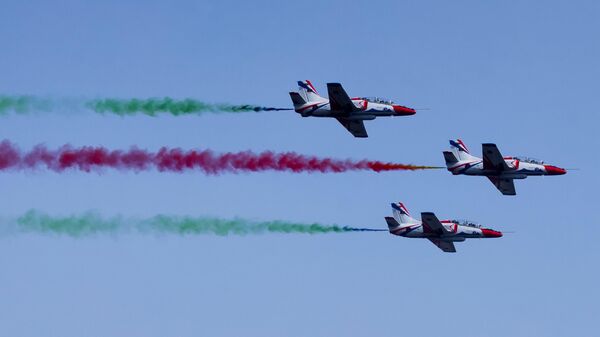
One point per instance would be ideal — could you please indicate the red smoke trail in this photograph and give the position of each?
(89, 158)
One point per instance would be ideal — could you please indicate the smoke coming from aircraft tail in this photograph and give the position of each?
(90, 158)
(91, 223)
(154, 106)
(123, 107)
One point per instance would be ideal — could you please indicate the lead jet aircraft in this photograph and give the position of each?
(350, 112)
(442, 233)
(501, 171)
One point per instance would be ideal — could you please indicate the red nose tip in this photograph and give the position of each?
(490, 233)
(403, 111)
(554, 171)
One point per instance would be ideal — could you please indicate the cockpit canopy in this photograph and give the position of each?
(530, 160)
(380, 100)
(468, 223)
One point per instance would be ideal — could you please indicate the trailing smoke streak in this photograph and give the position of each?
(122, 107)
(153, 106)
(177, 160)
(24, 104)
(90, 224)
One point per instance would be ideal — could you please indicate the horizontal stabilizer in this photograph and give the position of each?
(450, 158)
(391, 222)
(297, 99)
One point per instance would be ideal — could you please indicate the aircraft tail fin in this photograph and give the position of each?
(401, 214)
(459, 150)
(308, 92)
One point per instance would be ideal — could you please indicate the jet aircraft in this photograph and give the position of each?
(501, 171)
(350, 112)
(442, 233)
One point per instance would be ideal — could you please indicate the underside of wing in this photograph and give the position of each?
(339, 99)
(431, 224)
(356, 127)
(492, 159)
(447, 246)
(504, 185)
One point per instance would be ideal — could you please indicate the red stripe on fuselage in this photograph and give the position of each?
(307, 107)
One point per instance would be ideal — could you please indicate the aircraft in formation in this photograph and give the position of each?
(350, 112)
(442, 233)
(501, 171)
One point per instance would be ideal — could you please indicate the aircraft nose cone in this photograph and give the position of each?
(490, 233)
(403, 111)
(554, 171)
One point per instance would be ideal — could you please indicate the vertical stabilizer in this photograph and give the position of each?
(401, 214)
(460, 151)
(308, 92)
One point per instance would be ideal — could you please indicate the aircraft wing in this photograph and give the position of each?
(504, 185)
(339, 99)
(356, 127)
(431, 224)
(492, 159)
(447, 246)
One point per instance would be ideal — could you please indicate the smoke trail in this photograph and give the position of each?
(93, 224)
(177, 160)
(153, 106)
(24, 104)
(122, 107)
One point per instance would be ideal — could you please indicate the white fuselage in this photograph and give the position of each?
(456, 231)
(517, 169)
(367, 110)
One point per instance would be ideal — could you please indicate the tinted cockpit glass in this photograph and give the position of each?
(530, 160)
(380, 100)
(467, 223)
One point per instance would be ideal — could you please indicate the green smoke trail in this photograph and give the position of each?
(91, 224)
(123, 107)
(24, 104)
(153, 106)
(87, 224)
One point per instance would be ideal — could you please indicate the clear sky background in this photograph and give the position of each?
(522, 74)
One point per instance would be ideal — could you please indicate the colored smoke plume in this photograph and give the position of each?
(154, 106)
(91, 223)
(122, 107)
(90, 158)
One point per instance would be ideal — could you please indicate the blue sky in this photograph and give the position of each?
(521, 74)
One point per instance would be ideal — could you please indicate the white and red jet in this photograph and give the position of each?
(501, 171)
(441, 233)
(350, 112)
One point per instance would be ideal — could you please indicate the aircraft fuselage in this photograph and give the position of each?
(442, 233)
(517, 169)
(456, 231)
(367, 110)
